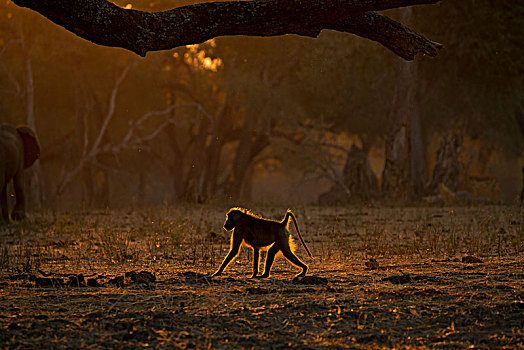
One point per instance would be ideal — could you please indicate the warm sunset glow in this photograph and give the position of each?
(198, 57)
(212, 64)
(385, 195)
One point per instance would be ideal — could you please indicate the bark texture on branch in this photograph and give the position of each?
(400, 39)
(104, 23)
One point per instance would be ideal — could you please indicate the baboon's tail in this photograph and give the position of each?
(286, 218)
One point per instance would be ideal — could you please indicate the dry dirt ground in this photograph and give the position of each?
(381, 278)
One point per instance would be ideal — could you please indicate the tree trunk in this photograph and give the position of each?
(417, 145)
(242, 159)
(447, 166)
(35, 193)
(246, 192)
(176, 165)
(193, 188)
(102, 189)
(253, 141)
(404, 173)
(359, 178)
(395, 178)
(221, 127)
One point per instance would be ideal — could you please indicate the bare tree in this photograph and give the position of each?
(133, 137)
(104, 23)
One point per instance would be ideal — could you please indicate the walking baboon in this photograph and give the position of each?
(260, 233)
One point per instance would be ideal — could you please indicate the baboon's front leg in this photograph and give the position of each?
(236, 241)
(256, 254)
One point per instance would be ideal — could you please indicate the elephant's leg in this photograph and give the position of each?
(19, 209)
(4, 217)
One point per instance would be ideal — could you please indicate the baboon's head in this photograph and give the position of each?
(232, 218)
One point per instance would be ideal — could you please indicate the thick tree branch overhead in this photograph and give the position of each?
(104, 23)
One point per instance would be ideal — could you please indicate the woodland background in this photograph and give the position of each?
(273, 120)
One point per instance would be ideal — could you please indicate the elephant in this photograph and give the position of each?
(19, 149)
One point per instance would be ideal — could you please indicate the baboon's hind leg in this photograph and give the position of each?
(286, 250)
(296, 261)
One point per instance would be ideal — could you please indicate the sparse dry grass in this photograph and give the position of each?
(421, 295)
